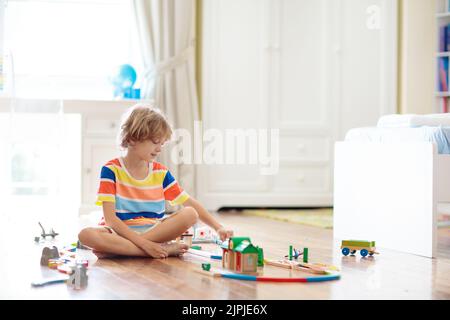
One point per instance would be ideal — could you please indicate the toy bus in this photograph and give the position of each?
(365, 247)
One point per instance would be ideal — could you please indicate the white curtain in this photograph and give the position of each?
(166, 30)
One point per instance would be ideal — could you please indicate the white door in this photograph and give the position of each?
(235, 89)
(303, 107)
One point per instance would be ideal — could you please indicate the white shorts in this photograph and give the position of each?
(137, 229)
(143, 228)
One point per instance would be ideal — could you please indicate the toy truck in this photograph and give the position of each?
(365, 247)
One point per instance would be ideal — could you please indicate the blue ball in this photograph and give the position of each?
(125, 77)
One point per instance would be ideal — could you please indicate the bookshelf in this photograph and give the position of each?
(442, 94)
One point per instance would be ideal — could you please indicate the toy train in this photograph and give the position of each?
(365, 247)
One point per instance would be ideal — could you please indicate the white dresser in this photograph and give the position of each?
(100, 121)
(300, 66)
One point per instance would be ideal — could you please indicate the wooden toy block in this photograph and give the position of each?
(84, 263)
(260, 256)
(79, 277)
(305, 255)
(54, 263)
(49, 253)
(206, 266)
(64, 268)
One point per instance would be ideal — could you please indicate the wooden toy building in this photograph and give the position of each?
(240, 255)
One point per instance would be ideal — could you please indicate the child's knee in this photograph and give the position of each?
(87, 236)
(190, 215)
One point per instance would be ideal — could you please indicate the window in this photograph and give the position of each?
(69, 48)
(40, 164)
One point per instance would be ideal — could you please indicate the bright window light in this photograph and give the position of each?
(40, 164)
(69, 49)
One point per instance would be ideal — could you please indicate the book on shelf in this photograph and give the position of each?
(447, 39)
(443, 74)
(444, 104)
(444, 38)
(443, 30)
(443, 82)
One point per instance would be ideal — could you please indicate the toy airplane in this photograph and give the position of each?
(52, 233)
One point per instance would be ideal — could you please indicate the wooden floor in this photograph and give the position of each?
(390, 275)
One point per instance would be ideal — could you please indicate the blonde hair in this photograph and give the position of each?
(143, 122)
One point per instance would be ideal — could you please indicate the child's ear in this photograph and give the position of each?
(131, 143)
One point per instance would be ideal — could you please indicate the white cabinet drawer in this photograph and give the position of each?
(304, 149)
(99, 126)
(302, 178)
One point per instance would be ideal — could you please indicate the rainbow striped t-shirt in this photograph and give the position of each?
(138, 202)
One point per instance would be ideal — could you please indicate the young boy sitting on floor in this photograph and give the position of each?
(133, 190)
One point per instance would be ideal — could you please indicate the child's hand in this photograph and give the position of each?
(154, 250)
(224, 233)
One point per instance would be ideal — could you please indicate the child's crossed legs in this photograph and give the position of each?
(104, 243)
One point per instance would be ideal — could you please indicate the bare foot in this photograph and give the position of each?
(175, 249)
(103, 255)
